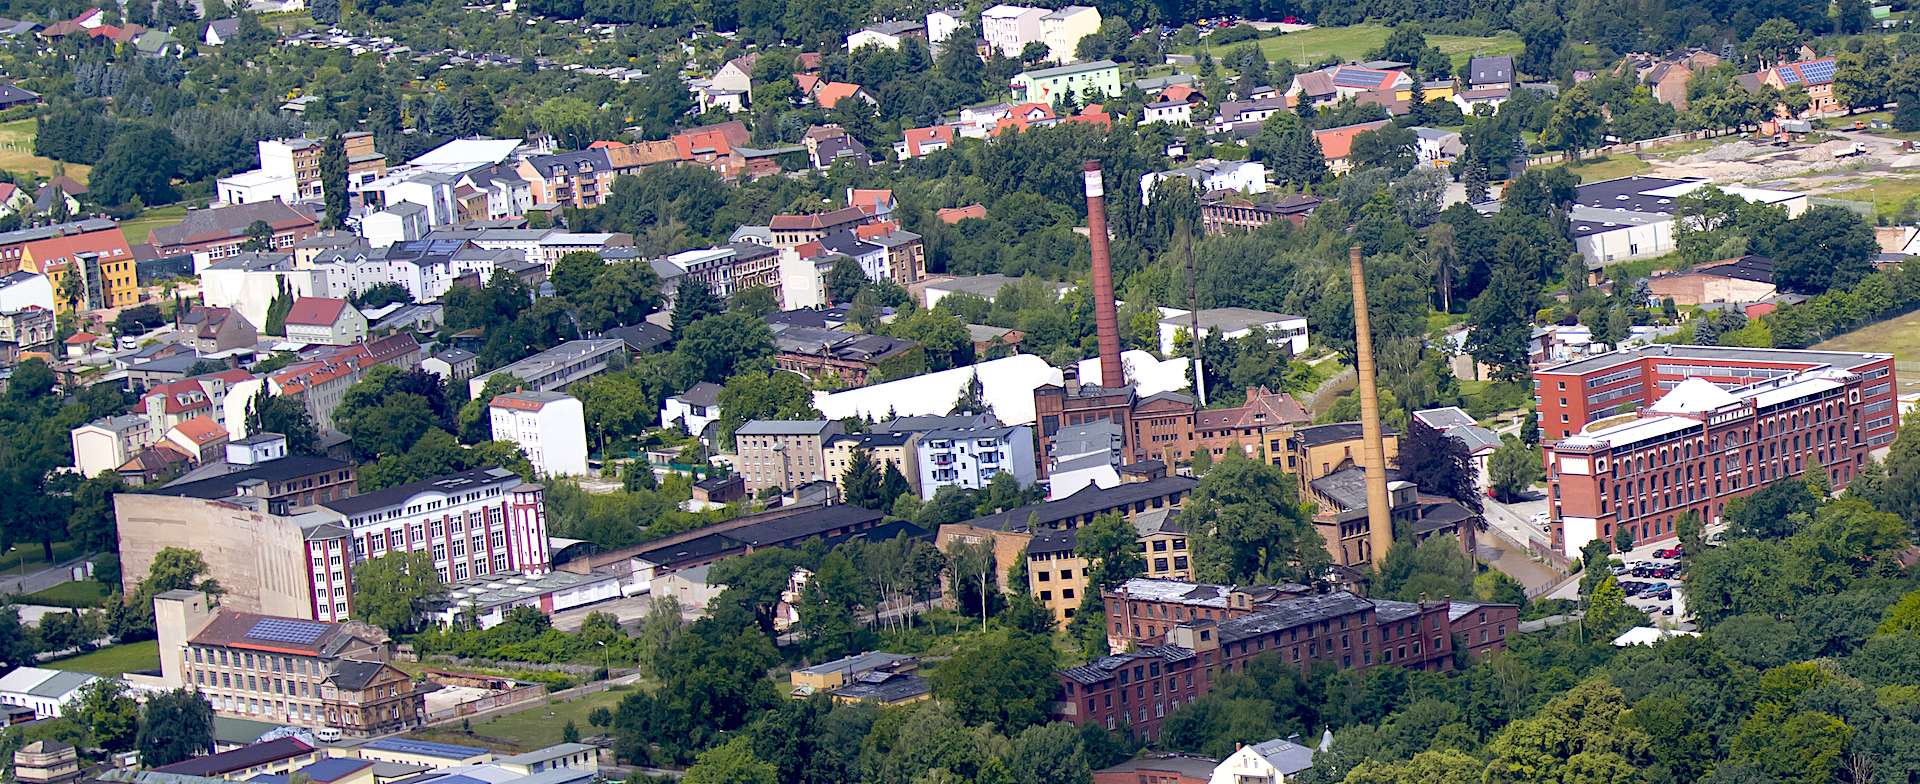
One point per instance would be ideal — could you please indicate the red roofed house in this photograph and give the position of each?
(1814, 75)
(877, 202)
(832, 93)
(1336, 143)
(201, 438)
(922, 141)
(958, 214)
(153, 463)
(174, 402)
(1019, 117)
(709, 145)
(12, 198)
(325, 321)
(80, 344)
(1179, 92)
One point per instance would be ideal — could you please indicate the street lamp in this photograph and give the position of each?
(607, 654)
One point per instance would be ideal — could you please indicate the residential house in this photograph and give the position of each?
(453, 365)
(570, 179)
(325, 321)
(886, 34)
(1169, 112)
(1337, 143)
(923, 141)
(1276, 761)
(695, 409)
(29, 329)
(1814, 75)
(209, 330)
(942, 22)
(200, 438)
(1435, 145)
(1491, 72)
(710, 145)
(12, 96)
(106, 444)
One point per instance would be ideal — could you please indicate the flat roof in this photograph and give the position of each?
(1840, 359)
(424, 748)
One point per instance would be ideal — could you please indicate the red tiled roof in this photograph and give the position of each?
(316, 311)
(53, 252)
(1337, 142)
(201, 430)
(915, 137)
(1178, 92)
(957, 214)
(722, 138)
(831, 93)
(872, 230)
(83, 337)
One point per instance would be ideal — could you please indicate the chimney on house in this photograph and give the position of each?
(1372, 446)
(1106, 318)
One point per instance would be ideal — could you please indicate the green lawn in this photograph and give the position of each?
(534, 728)
(114, 661)
(79, 593)
(1353, 43)
(28, 557)
(138, 228)
(23, 161)
(1606, 167)
(1899, 336)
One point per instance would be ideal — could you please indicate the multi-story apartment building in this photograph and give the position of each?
(1701, 446)
(897, 449)
(1572, 395)
(549, 426)
(791, 231)
(325, 321)
(106, 444)
(13, 243)
(1063, 29)
(556, 368)
(783, 454)
(102, 260)
(970, 457)
(474, 522)
(285, 670)
(1009, 28)
(570, 179)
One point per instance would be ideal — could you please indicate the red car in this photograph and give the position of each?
(1671, 552)
(1291, 20)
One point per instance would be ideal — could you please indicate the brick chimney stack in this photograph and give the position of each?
(1372, 444)
(1106, 317)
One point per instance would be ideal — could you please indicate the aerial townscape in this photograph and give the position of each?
(782, 392)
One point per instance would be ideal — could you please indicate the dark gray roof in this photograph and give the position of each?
(1088, 500)
(278, 470)
(1052, 542)
(355, 675)
(783, 427)
(644, 336)
(1182, 765)
(1315, 435)
(1103, 668)
(463, 481)
(1491, 70)
(1389, 611)
(1290, 613)
(884, 687)
(705, 393)
(1347, 487)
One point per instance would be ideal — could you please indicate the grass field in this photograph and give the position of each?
(22, 161)
(1353, 43)
(112, 662)
(27, 556)
(535, 728)
(1899, 336)
(1607, 167)
(138, 228)
(84, 593)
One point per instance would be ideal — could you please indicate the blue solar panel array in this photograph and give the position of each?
(1817, 72)
(278, 630)
(1355, 77)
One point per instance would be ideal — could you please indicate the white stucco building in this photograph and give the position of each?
(1274, 762)
(969, 457)
(1243, 176)
(1008, 28)
(1233, 323)
(549, 426)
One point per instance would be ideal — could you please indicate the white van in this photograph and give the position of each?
(327, 734)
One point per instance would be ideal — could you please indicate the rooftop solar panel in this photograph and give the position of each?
(279, 630)
(1818, 72)
(1348, 77)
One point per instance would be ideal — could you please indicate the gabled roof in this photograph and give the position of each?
(832, 92)
(1338, 142)
(316, 311)
(230, 222)
(355, 675)
(201, 431)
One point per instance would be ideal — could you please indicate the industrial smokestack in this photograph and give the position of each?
(1373, 446)
(1106, 319)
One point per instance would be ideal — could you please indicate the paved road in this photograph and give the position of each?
(33, 582)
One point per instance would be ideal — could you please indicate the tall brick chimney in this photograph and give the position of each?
(1106, 318)
(1372, 444)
